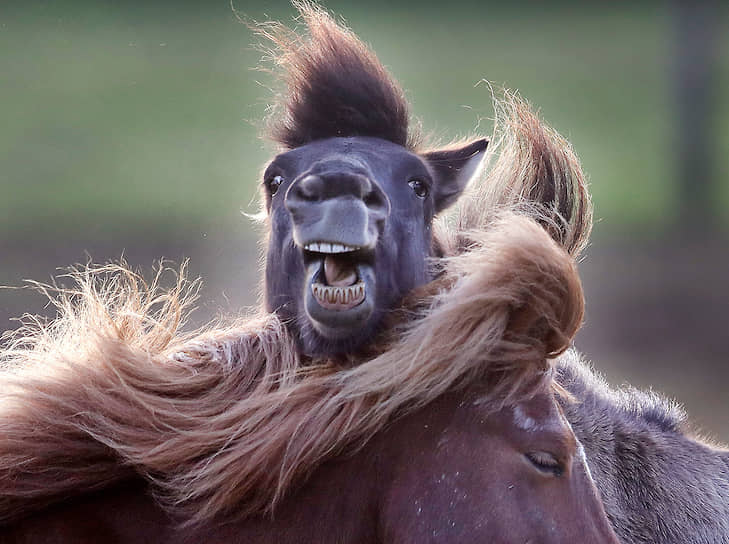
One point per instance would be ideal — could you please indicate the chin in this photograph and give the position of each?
(320, 340)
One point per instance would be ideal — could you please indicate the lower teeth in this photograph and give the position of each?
(338, 295)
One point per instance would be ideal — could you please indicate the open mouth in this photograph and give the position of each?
(340, 282)
(337, 286)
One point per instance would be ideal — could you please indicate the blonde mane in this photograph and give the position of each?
(229, 418)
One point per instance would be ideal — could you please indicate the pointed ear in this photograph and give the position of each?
(452, 169)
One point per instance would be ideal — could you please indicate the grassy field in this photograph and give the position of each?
(137, 117)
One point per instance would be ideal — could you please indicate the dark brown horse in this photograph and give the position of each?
(453, 434)
(441, 425)
(451, 472)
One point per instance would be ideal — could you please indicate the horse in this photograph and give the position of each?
(379, 324)
(482, 451)
(453, 471)
(462, 464)
(380, 343)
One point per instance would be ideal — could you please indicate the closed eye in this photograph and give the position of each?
(546, 463)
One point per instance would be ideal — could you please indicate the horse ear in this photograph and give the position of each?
(452, 169)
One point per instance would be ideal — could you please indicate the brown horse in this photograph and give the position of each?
(452, 434)
(451, 472)
(396, 387)
(480, 449)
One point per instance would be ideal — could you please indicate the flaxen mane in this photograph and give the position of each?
(228, 419)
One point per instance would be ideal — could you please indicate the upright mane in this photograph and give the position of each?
(334, 86)
(533, 171)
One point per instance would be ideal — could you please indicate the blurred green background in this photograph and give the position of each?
(130, 128)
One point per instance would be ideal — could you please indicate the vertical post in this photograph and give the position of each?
(695, 91)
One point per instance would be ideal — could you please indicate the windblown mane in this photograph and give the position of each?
(229, 418)
(533, 171)
(334, 85)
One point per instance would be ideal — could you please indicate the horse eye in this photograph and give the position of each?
(545, 462)
(418, 187)
(273, 184)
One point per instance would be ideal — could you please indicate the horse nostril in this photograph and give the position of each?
(322, 187)
(372, 200)
(310, 188)
(376, 201)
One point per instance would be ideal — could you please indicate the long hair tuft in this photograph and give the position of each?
(532, 170)
(333, 85)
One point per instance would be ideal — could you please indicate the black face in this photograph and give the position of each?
(350, 233)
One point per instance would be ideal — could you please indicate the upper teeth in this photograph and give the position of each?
(326, 247)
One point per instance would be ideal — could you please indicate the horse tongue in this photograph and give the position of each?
(339, 273)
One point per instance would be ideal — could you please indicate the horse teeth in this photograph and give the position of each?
(330, 247)
(339, 295)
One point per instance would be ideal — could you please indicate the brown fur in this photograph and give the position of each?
(231, 418)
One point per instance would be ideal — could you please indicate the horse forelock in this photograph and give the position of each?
(334, 86)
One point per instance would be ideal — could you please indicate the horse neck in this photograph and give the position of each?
(657, 483)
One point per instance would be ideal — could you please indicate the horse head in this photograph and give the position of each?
(466, 472)
(351, 199)
(350, 232)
